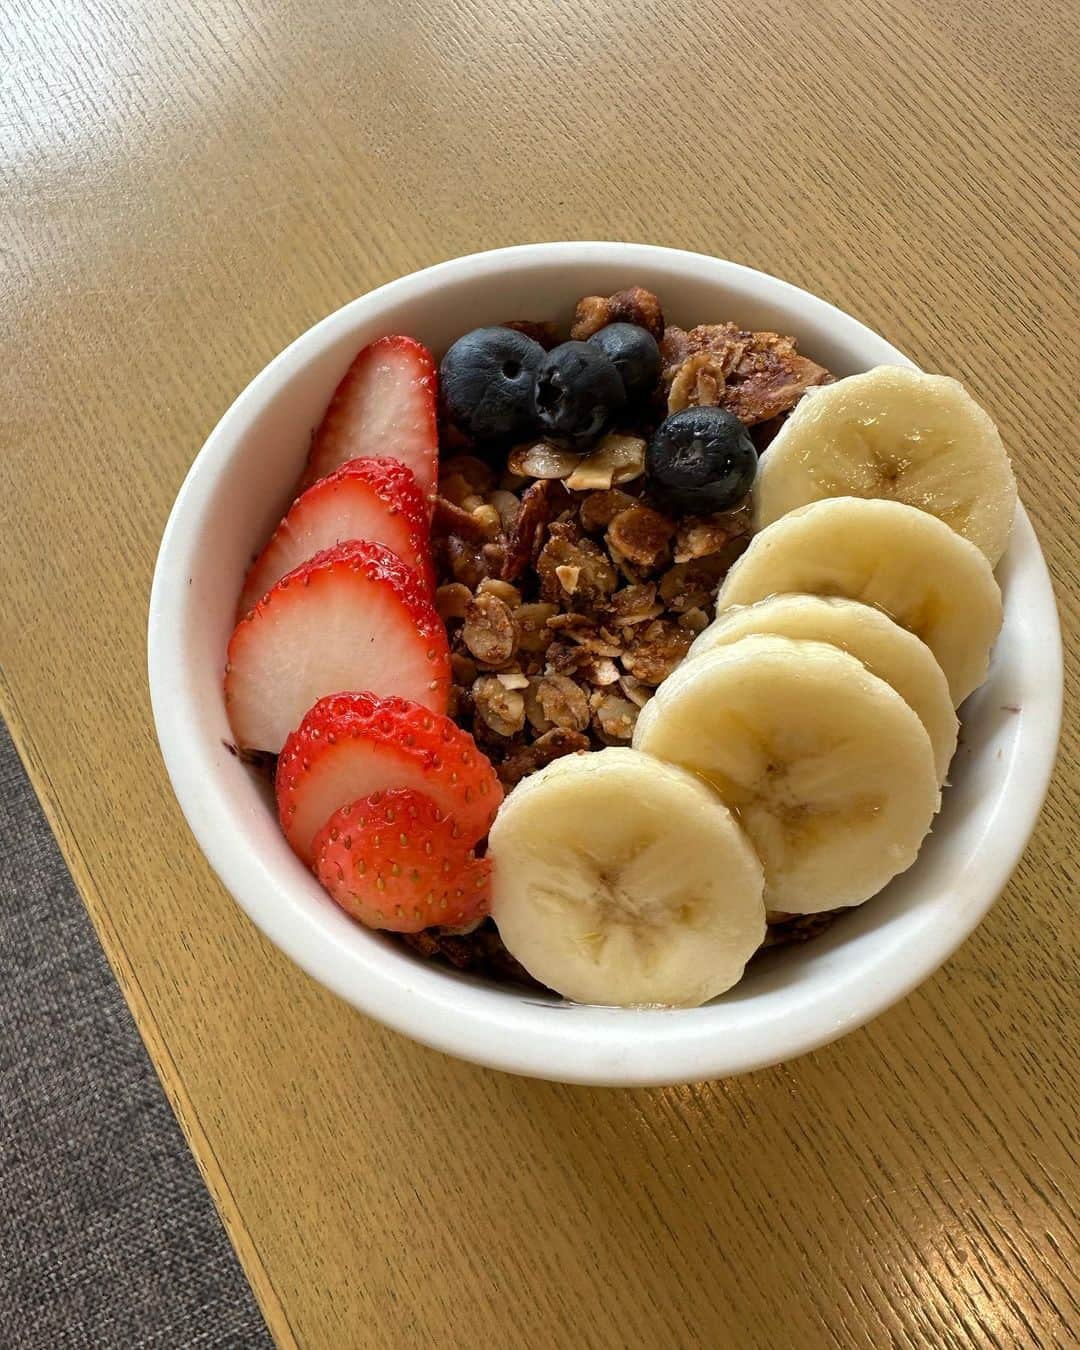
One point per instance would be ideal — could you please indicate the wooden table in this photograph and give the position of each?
(186, 188)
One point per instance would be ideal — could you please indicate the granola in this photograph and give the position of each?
(559, 649)
(757, 376)
(568, 594)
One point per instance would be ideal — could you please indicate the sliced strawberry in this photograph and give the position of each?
(395, 861)
(351, 745)
(376, 499)
(354, 617)
(384, 405)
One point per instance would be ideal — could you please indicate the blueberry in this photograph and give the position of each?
(577, 394)
(701, 460)
(634, 354)
(486, 380)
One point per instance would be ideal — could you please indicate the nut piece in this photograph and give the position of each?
(502, 709)
(640, 535)
(635, 305)
(541, 459)
(489, 631)
(538, 719)
(617, 459)
(538, 505)
(616, 718)
(638, 693)
(698, 382)
(590, 315)
(568, 577)
(563, 702)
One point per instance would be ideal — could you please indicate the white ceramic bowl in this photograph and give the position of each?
(792, 999)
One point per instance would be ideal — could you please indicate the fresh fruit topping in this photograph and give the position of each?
(621, 880)
(634, 354)
(701, 460)
(373, 499)
(384, 406)
(577, 394)
(885, 649)
(906, 562)
(351, 745)
(899, 434)
(394, 860)
(486, 379)
(829, 771)
(355, 617)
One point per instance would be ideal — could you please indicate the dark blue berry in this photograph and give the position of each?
(577, 394)
(634, 354)
(701, 460)
(486, 379)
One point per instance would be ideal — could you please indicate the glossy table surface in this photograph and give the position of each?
(185, 189)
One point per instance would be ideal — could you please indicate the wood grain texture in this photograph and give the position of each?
(185, 189)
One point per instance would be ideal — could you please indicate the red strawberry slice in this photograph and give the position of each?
(384, 405)
(376, 499)
(354, 617)
(395, 861)
(351, 745)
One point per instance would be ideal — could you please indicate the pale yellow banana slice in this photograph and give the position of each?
(895, 433)
(885, 649)
(909, 564)
(620, 880)
(827, 768)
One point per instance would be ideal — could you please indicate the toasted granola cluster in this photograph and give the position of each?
(757, 376)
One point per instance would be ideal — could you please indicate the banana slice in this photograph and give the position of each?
(899, 434)
(827, 768)
(928, 578)
(885, 649)
(620, 880)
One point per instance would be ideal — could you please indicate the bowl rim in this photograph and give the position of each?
(515, 1033)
